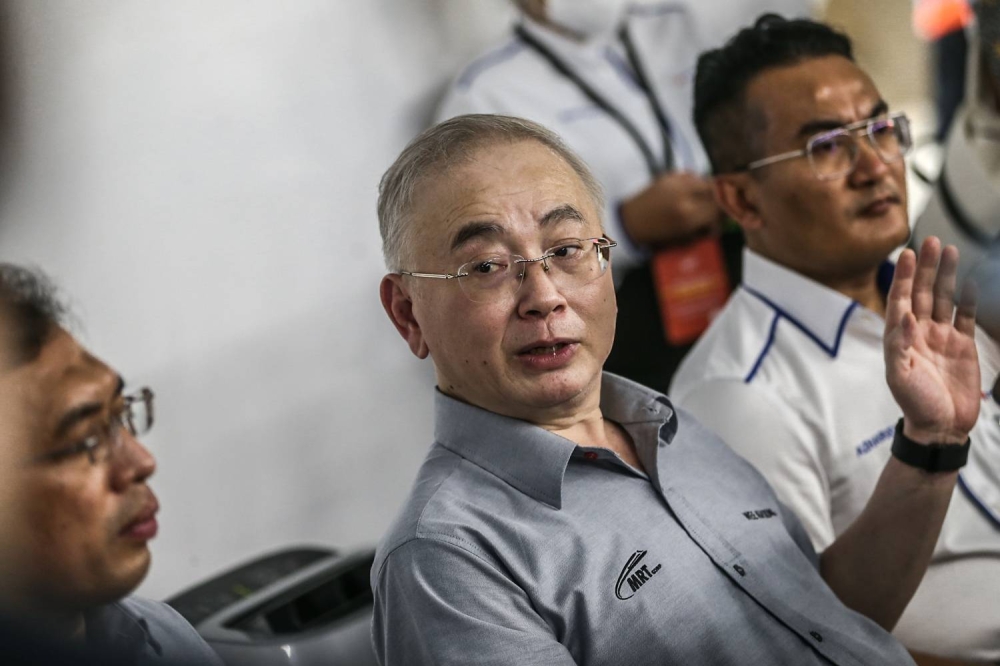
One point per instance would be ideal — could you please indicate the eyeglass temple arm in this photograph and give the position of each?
(438, 276)
(777, 158)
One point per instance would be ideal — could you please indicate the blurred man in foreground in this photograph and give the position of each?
(565, 515)
(77, 540)
(810, 161)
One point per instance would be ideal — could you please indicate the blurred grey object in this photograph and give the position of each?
(304, 606)
(964, 209)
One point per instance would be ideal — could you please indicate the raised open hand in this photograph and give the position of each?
(931, 363)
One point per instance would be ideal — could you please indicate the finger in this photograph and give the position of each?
(923, 282)
(909, 331)
(965, 318)
(898, 302)
(897, 344)
(944, 285)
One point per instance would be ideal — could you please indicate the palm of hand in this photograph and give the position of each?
(933, 373)
(931, 361)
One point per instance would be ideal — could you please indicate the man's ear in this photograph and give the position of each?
(399, 306)
(737, 195)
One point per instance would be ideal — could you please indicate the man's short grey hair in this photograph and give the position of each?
(447, 145)
(30, 310)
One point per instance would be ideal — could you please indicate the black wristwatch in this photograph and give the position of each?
(929, 457)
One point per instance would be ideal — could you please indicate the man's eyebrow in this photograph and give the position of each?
(561, 213)
(474, 230)
(816, 126)
(85, 411)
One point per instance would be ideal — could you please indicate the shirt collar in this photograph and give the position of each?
(820, 312)
(570, 50)
(113, 629)
(528, 457)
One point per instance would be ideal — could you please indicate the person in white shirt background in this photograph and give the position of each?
(613, 79)
(790, 374)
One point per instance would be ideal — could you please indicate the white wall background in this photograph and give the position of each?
(200, 178)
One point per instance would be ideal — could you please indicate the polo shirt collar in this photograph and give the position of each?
(528, 457)
(112, 629)
(570, 50)
(818, 311)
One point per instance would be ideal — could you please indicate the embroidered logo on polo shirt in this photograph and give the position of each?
(759, 514)
(879, 437)
(635, 575)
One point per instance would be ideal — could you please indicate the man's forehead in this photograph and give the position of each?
(496, 180)
(62, 373)
(826, 88)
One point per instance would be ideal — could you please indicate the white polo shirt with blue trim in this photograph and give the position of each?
(791, 375)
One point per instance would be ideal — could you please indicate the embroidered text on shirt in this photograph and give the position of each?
(759, 514)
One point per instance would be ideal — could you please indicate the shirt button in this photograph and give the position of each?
(590, 455)
(818, 636)
(740, 570)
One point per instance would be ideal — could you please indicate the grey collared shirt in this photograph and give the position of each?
(144, 632)
(516, 546)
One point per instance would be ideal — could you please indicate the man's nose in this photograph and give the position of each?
(131, 462)
(539, 294)
(870, 166)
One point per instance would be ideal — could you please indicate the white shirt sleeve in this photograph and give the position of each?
(763, 428)
(459, 101)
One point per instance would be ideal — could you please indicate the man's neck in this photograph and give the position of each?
(65, 626)
(863, 288)
(594, 430)
(539, 17)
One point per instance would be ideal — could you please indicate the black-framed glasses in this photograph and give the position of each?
(834, 153)
(570, 263)
(134, 414)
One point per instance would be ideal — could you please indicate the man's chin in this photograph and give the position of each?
(555, 389)
(127, 576)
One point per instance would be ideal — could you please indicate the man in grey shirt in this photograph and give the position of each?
(78, 512)
(565, 516)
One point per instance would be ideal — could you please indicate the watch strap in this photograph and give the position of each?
(929, 457)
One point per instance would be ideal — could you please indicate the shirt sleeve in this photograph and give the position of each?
(441, 603)
(776, 439)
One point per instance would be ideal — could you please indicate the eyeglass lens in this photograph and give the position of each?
(136, 418)
(835, 153)
(569, 264)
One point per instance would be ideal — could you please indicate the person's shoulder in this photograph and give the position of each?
(439, 465)
(495, 64)
(738, 341)
(175, 638)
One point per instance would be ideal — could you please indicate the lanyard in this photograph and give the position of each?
(655, 168)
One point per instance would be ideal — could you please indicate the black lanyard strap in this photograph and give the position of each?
(642, 76)
(655, 168)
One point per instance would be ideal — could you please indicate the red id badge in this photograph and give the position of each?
(692, 285)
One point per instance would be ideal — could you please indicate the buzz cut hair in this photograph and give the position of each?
(727, 125)
(445, 146)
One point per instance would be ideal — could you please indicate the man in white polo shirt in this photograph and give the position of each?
(809, 161)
